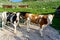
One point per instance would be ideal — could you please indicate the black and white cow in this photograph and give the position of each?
(11, 17)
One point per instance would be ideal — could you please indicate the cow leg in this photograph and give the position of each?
(25, 22)
(18, 23)
(41, 29)
(15, 29)
(3, 24)
(28, 24)
(5, 21)
(15, 26)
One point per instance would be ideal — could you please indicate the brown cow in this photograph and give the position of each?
(23, 6)
(42, 20)
(8, 6)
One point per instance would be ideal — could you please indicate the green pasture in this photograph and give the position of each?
(35, 11)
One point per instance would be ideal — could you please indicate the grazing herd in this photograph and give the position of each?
(8, 6)
(13, 6)
(14, 17)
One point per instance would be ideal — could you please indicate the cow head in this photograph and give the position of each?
(50, 18)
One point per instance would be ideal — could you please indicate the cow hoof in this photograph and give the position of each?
(14, 32)
(41, 35)
(28, 30)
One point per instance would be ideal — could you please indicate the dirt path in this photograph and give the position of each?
(22, 34)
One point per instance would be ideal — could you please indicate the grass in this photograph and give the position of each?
(35, 11)
(34, 6)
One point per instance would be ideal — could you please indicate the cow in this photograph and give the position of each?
(42, 20)
(23, 6)
(10, 17)
(8, 6)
